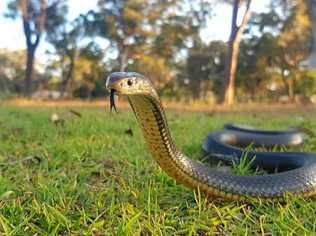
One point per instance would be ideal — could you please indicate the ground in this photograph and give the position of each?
(89, 172)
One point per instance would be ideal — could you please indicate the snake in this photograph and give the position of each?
(296, 171)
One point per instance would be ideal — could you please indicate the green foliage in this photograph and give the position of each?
(161, 39)
(124, 21)
(37, 17)
(86, 176)
(157, 69)
(205, 66)
(275, 56)
(11, 70)
(157, 29)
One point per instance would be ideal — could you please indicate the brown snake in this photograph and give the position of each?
(299, 178)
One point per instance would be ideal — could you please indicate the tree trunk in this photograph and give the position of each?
(196, 88)
(286, 86)
(66, 79)
(29, 70)
(230, 73)
(70, 73)
(312, 57)
(123, 61)
(32, 37)
(289, 85)
(291, 88)
(233, 49)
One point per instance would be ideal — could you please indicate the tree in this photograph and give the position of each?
(171, 37)
(312, 13)
(121, 22)
(11, 70)
(84, 76)
(65, 40)
(141, 29)
(90, 70)
(290, 45)
(233, 49)
(272, 56)
(254, 67)
(205, 63)
(35, 17)
(294, 44)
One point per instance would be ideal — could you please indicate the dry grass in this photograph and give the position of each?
(198, 106)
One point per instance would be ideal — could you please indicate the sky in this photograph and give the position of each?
(12, 36)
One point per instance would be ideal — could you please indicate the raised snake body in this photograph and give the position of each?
(299, 180)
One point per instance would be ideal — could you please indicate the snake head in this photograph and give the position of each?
(129, 83)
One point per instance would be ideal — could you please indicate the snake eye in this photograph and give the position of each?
(129, 82)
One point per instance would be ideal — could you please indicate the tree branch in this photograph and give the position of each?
(234, 27)
(246, 17)
(42, 16)
(27, 32)
(23, 5)
(40, 22)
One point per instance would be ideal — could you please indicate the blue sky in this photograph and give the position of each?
(12, 33)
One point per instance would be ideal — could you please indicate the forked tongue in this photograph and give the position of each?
(112, 101)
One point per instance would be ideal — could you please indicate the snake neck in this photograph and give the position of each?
(154, 126)
(152, 119)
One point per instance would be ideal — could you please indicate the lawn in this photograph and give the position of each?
(90, 174)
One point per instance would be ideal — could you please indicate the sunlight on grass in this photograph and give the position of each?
(90, 175)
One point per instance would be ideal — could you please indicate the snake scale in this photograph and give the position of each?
(298, 175)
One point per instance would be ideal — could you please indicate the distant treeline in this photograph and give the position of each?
(162, 40)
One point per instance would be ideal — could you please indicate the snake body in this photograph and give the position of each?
(298, 179)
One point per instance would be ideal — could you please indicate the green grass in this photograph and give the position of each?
(87, 176)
